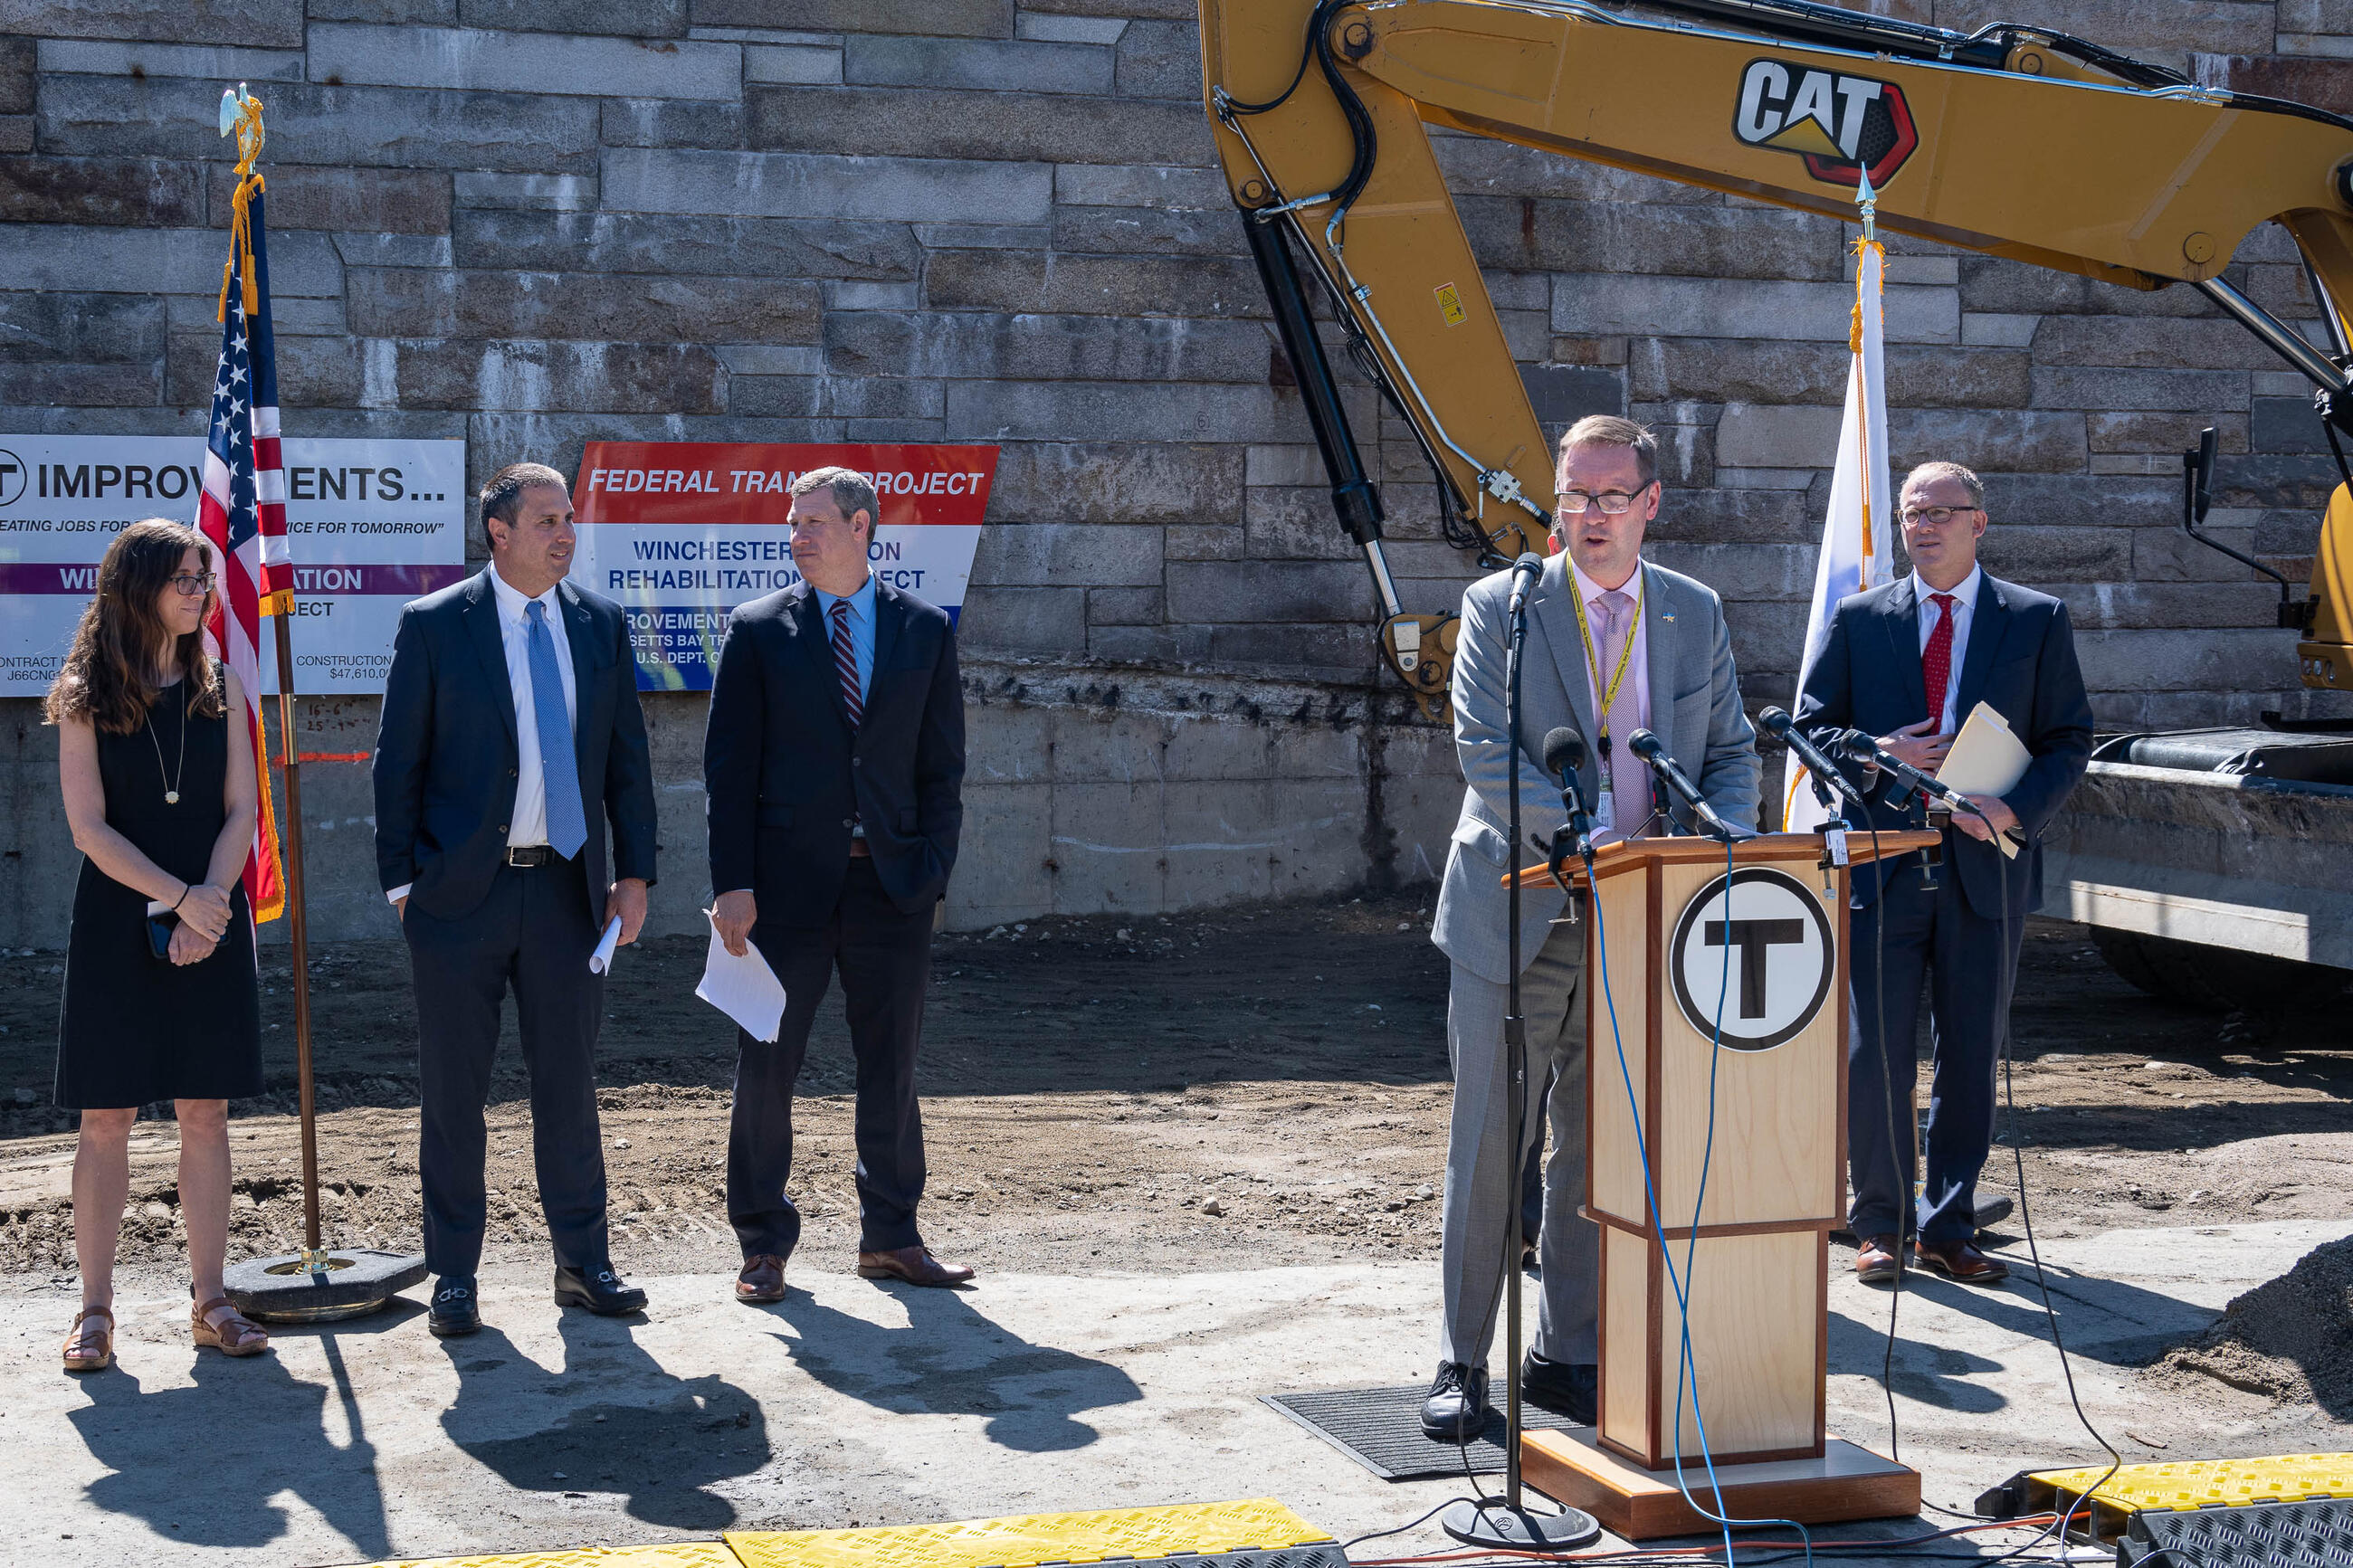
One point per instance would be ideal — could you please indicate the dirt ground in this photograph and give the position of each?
(1265, 1085)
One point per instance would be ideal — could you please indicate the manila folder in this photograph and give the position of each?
(745, 988)
(1986, 759)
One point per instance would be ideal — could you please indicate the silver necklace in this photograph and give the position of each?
(171, 783)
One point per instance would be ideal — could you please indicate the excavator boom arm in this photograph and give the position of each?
(2014, 142)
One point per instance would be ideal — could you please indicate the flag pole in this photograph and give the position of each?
(317, 1284)
(314, 1253)
(241, 116)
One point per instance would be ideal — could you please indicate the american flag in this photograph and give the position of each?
(244, 511)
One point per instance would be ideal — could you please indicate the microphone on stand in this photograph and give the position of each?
(1524, 573)
(1863, 748)
(1653, 753)
(1776, 722)
(1564, 754)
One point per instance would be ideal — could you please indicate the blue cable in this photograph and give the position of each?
(1685, 1361)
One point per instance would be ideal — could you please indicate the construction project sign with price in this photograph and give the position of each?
(681, 532)
(372, 524)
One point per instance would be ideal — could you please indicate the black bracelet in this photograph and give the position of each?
(185, 888)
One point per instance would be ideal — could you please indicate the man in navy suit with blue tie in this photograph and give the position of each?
(1907, 663)
(512, 734)
(833, 768)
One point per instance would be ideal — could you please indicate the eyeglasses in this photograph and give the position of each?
(1934, 516)
(190, 585)
(1611, 502)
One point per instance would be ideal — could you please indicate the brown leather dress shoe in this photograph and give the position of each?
(915, 1265)
(762, 1281)
(1879, 1262)
(1960, 1260)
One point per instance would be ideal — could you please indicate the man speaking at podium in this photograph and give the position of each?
(1613, 645)
(1907, 663)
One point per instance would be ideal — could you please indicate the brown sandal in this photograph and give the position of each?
(220, 1326)
(87, 1349)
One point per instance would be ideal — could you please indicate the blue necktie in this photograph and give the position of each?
(567, 827)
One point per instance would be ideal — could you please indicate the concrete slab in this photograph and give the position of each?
(853, 1402)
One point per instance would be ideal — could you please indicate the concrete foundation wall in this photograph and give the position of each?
(529, 224)
(1084, 796)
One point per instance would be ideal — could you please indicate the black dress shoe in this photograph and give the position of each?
(1565, 1388)
(1457, 1407)
(597, 1288)
(455, 1311)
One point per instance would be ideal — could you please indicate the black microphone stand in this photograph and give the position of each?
(1512, 1528)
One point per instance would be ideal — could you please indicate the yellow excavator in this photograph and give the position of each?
(2015, 140)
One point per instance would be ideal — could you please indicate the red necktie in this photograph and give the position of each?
(845, 664)
(1937, 659)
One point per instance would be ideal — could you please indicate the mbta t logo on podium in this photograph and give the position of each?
(1840, 124)
(1752, 959)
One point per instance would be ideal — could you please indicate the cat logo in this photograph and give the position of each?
(1840, 124)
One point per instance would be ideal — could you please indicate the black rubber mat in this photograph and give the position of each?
(1380, 1429)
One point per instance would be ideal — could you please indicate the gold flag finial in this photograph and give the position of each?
(240, 115)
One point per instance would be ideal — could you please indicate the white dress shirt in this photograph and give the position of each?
(1965, 605)
(1638, 662)
(528, 822)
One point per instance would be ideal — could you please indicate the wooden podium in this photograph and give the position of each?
(1748, 944)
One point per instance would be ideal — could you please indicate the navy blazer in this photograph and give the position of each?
(786, 777)
(447, 758)
(2021, 658)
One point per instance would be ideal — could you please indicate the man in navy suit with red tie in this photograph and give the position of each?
(834, 765)
(1907, 663)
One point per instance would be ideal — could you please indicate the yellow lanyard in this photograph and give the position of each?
(1593, 661)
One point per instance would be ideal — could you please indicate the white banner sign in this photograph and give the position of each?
(372, 525)
(682, 532)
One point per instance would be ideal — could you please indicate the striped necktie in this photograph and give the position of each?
(845, 665)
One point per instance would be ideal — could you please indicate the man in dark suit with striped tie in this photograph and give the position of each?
(833, 766)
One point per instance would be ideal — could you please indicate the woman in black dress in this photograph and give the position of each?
(159, 791)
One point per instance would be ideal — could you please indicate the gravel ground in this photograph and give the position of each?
(1265, 1086)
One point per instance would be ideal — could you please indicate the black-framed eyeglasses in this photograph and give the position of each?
(1611, 502)
(1934, 516)
(189, 585)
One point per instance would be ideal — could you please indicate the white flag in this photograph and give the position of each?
(1857, 539)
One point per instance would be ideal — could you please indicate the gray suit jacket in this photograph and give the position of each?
(1695, 709)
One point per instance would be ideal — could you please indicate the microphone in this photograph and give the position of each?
(1524, 573)
(1863, 748)
(1648, 747)
(1777, 723)
(1564, 754)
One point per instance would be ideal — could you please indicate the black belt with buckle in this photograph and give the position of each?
(528, 855)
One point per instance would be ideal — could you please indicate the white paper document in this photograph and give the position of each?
(1986, 759)
(745, 988)
(602, 959)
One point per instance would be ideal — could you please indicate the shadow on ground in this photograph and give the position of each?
(950, 1359)
(2111, 1321)
(610, 1420)
(190, 1474)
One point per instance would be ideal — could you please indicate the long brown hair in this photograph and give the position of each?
(109, 675)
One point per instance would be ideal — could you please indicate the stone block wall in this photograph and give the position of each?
(533, 223)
